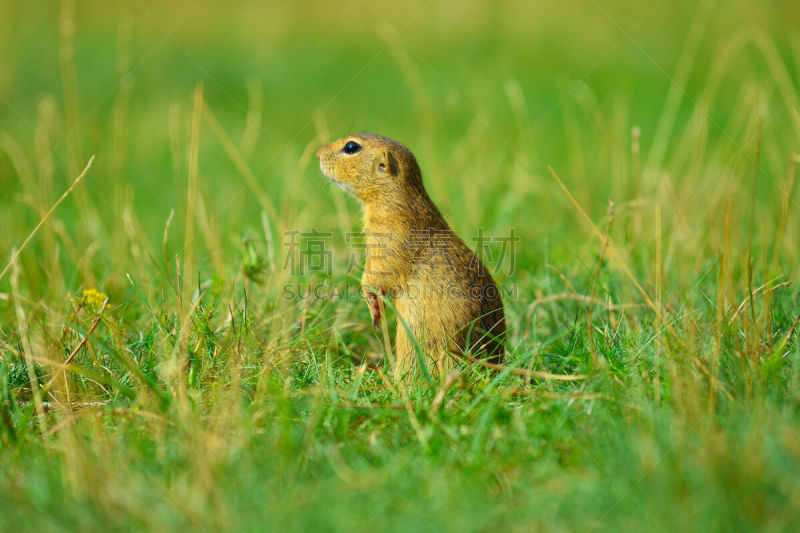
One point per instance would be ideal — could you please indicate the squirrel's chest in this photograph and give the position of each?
(387, 250)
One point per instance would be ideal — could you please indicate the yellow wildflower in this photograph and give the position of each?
(93, 298)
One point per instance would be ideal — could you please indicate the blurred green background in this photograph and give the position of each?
(513, 74)
(662, 270)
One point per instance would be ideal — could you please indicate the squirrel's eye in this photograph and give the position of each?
(351, 147)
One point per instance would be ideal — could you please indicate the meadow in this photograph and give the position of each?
(182, 341)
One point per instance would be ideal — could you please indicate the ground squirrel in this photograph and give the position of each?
(439, 287)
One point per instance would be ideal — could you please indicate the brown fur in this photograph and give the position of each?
(438, 286)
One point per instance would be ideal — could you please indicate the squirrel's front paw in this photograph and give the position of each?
(375, 307)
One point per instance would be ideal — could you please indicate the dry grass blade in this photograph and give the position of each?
(790, 333)
(767, 287)
(80, 345)
(612, 247)
(35, 230)
(378, 406)
(239, 162)
(577, 297)
(520, 371)
(451, 377)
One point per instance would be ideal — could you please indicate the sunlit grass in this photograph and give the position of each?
(162, 366)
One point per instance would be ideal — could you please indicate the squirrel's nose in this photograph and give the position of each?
(319, 153)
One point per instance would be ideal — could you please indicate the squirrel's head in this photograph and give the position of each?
(371, 167)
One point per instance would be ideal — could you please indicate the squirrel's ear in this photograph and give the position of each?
(387, 163)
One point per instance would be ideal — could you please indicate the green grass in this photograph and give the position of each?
(217, 392)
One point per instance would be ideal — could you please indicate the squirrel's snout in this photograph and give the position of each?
(319, 153)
